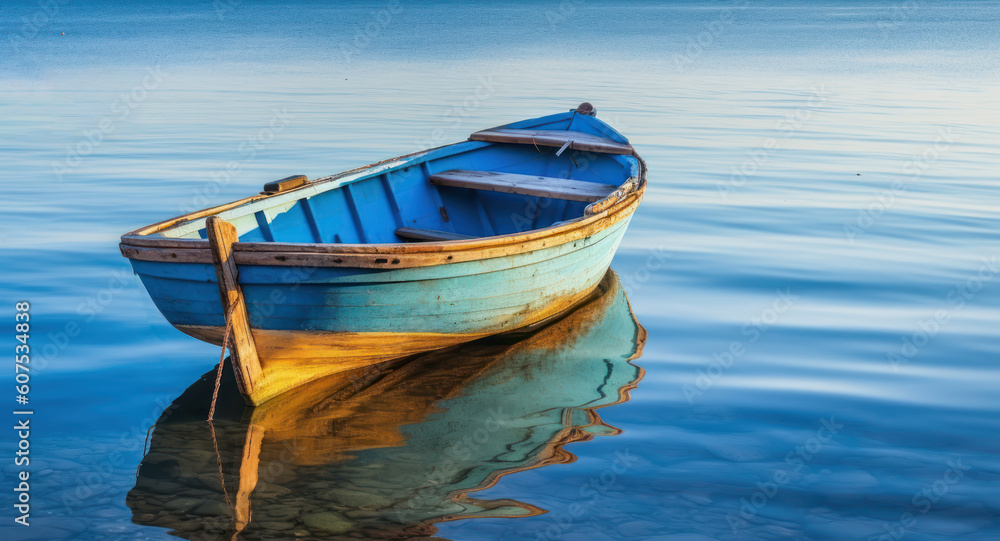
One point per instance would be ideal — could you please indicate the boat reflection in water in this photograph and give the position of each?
(390, 450)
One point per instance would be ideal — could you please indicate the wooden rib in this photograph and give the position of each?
(550, 187)
(263, 226)
(222, 237)
(397, 214)
(355, 215)
(428, 234)
(553, 138)
(484, 218)
(311, 220)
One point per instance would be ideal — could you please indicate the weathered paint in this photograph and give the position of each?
(329, 287)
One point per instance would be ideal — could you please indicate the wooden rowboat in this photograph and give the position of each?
(420, 252)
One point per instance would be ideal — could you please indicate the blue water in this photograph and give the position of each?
(816, 260)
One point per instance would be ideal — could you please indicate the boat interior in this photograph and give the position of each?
(515, 178)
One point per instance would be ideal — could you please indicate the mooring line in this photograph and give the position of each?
(144, 444)
(222, 359)
(215, 396)
(218, 460)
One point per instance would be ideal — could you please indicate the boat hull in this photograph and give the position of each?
(309, 322)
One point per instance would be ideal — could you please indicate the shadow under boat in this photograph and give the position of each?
(390, 450)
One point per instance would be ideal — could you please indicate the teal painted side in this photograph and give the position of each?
(478, 296)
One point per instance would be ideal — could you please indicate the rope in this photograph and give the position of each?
(215, 396)
(222, 359)
(144, 444)
(218, 460)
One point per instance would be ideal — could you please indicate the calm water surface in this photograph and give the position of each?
(817, 262)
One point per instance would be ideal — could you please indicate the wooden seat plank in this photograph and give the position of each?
(414, 233)
(550, 187)
(553, 138)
